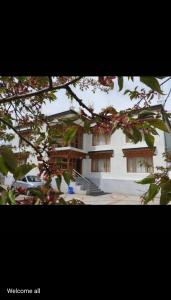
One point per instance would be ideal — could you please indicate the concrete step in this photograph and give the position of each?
(94, 193)
(87, 186)
(94, 190)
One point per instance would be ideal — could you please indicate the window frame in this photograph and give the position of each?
(145, 158)
(96, 139)
(106, 164)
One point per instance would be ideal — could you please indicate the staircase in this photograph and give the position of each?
(86, 185)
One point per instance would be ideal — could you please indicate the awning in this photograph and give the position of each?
(138, 152)
(101, 154)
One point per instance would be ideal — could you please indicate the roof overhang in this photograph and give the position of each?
(138, 152)
(101, 154)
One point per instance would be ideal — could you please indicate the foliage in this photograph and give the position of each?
(158, 182)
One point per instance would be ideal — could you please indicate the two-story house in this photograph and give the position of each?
(111, 162)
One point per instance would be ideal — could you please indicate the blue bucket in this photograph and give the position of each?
(70, 190)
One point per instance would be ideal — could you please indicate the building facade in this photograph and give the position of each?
(113, 162)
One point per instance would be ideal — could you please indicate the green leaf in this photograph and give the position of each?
(21, 78)
(152, 192)
(165, 198)
(128, 134)
(58, 180)
(36, 192)
(69, 135)
(4, 198)
(61, 201)
(120, 82)
(126, 92)
(165, 193)
(23, 170)
(151, 82)
(137, 135)
(149, 139)
(145, 113)
(7, 197)
(9, 159)
(159, 124)
(3, 167)
(67, 177)
(11, 197)
(147, 180)
(87, 126)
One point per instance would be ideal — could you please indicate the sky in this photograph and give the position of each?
(100, 99)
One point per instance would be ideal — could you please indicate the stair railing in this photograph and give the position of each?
(75, 173)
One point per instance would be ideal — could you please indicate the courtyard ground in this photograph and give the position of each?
(108, 199)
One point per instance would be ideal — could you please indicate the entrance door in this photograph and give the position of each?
(78, 165)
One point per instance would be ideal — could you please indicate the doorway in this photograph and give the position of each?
(78, 165)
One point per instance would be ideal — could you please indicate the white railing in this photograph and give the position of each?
(75, 173)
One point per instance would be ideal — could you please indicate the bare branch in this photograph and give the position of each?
(36, 93)
(80, 101)
(82, 104)
(167, 97)
(165, 81)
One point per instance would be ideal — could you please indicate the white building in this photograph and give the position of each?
(112, 163)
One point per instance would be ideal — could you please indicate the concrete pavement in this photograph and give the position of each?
(108, 199)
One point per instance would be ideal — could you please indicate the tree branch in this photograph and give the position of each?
(28, 142)
(165, 81)
(167, 97)
(36, 93)
(80, 101)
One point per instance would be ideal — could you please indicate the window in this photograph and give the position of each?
(100, 165)
(101, 139)
(61, 163)
(139, 164)
(24, 179)
(77, 141)
(33, 178)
